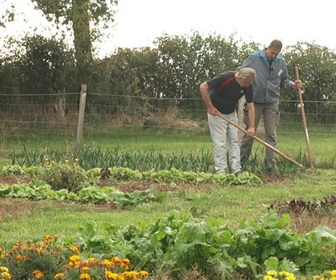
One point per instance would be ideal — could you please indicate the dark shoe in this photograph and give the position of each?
(237, 173)
(271, 172)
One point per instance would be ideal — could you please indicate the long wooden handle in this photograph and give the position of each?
(310, 157)
(260, 141)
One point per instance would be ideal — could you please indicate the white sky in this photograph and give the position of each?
(139, 22)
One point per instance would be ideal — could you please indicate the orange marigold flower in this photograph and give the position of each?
(74, 249)
(92, 261)
(47, 237)
(130, 274)
(112, 276)
(125, 263)
(107, 263)
(38, 274)
(19, 257)
(116, 260)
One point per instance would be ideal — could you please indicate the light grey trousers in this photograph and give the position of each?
(223, 133)
(271, 115)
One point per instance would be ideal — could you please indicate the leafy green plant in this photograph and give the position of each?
(181, 243)
(67, 175)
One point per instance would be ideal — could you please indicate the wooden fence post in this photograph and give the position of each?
(81, 114)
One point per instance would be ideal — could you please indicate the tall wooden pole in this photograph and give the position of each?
(301, 105)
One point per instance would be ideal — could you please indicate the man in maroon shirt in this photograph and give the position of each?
(221, 95)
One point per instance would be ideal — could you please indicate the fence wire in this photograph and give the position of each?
(57, 114)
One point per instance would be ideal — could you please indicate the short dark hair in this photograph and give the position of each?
(275, 44)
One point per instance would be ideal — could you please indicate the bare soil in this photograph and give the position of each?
(301, 222)
(10, 207)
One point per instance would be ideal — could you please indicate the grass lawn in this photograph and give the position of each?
(23, 220)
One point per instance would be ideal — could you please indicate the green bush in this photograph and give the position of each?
(66, 175)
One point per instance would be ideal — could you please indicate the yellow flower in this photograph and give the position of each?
(287, 275)
(3, 268)
(268, 277)
(5, 276)
(111, 276)
(58, 275)
(272, 273)
(85, 276)
(143, 273)
(74, 258)
(85, 269)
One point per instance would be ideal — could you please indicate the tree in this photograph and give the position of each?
(317, 71)
(85, 17)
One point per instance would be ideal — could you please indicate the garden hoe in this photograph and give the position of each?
(260, 141)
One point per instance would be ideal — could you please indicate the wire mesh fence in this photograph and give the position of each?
(57, 114)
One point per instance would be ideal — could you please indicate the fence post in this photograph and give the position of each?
(81, 114)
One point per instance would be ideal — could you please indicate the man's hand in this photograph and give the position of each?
(250, 131)
(297, 84)
(213, 111)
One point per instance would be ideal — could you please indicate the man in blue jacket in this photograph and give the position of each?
(272, 75)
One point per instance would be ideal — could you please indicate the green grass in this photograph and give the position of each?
(232, 204)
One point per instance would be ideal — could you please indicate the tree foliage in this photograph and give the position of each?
(173, 69)
(80, 15)
(40, 66)
(317, 65)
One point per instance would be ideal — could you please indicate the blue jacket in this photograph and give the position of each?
(269, 79)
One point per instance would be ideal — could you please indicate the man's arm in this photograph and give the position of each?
(204, 88)
(251, 115)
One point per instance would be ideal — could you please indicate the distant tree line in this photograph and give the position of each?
(174, 68)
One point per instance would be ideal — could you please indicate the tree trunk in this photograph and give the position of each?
(82, 38)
